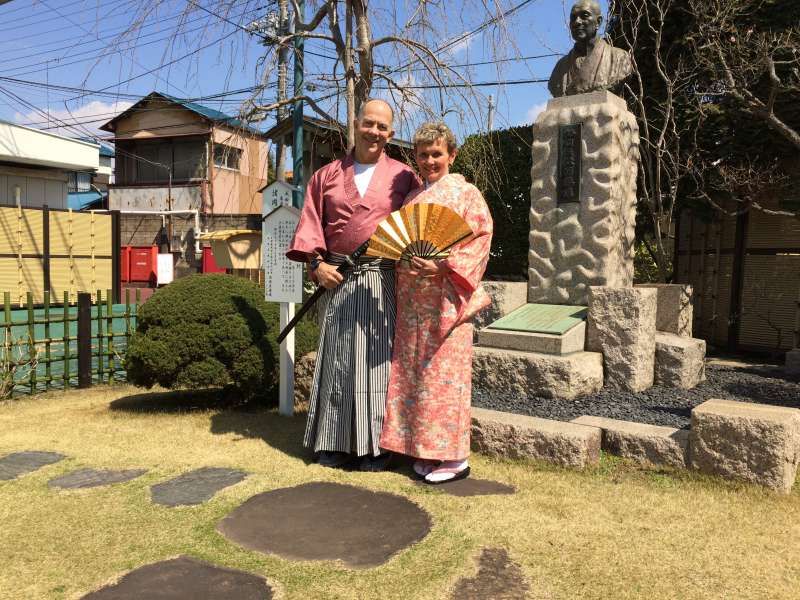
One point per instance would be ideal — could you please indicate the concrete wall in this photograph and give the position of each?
(143, 230)
(155, 198)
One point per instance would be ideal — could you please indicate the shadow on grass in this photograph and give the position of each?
(173, 402)
(282, 433)
(254, 419)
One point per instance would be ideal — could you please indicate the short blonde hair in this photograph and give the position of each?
(428, 133)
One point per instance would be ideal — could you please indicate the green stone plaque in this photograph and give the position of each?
(555, 319)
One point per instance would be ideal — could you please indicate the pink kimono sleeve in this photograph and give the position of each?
(467, 262)
(309, 237)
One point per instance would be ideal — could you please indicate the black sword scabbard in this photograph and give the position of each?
(349, 262)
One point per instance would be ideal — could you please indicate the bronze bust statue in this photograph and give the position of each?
(593, 64)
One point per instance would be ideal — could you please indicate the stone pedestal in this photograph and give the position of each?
(518, 373)
(622, 325)
(674, 312)
(793, 362)
(680, 361)
(583, 198)
(505, 296)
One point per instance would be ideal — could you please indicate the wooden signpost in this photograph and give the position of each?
(283, 282)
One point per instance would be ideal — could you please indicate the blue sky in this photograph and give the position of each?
(78, 44)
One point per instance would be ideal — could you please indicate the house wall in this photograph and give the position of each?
(37, 187)
(237, 191)
(22, 145)
(158, 119)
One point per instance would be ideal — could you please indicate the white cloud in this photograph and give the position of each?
(461, 45)
(85, 119)
(534, 112)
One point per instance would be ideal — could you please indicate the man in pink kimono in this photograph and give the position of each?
(344, 202)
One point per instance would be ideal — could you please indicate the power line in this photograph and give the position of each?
(464, 85)
(7, 59)
(37, 19)
(468, 34)
(93, 56)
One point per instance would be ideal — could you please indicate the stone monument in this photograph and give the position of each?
(585, 324)
(583, 208)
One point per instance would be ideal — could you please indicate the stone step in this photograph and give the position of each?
(566, 343)
(642, 442)
(520, 436)
(519, 373)
(742, 440)
(680, 361)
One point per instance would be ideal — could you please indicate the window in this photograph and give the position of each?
(148, 162)
(226, 157)
(79, 182)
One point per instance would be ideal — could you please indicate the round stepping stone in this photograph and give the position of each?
(327, 521)
(185, 578)
(472, 487)
(19, 463)
(88, 478)
(195, 487)
(498, 577)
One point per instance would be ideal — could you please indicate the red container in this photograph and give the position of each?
(143, 263)
(125, 264)
(209, 264)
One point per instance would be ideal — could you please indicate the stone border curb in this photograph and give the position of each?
(644, 443)
(518, 436)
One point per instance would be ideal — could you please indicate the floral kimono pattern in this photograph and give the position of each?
(430, 385)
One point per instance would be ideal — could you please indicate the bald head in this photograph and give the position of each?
(363, 107)
(585, 19)
(591, 5)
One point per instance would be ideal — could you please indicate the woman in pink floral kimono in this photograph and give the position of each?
(430, 386)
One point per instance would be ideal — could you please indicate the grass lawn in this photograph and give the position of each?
(616, 531)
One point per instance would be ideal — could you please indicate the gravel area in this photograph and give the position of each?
(659, 405)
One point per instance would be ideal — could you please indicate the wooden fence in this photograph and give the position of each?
(46, 346)
(57, 251)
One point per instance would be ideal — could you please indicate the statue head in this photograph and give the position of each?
(585, 19)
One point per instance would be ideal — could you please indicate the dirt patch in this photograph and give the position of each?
(498, 578)
(327, 521)
(183, 577)
(89, 478)
(19, 463)
(195, 487)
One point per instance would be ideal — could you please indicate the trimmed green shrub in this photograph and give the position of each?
(211, 331)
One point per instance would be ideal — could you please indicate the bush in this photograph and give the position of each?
(211, 331)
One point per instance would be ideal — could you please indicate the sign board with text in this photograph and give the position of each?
(283, 278)
(277, 193)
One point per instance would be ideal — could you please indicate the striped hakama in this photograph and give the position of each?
(348, 397)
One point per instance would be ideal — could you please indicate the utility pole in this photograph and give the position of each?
(490, 124)
(297, 146)
(283, 111)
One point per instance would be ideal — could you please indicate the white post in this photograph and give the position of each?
(286, 386)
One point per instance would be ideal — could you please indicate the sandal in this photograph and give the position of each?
(449, 470)
(423, 466)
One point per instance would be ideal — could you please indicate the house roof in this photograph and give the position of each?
(25, 145)
(84, 200)
(283, 127)
(210, 114)
(106, 150)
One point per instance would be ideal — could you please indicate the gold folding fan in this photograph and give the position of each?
(423, 230)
